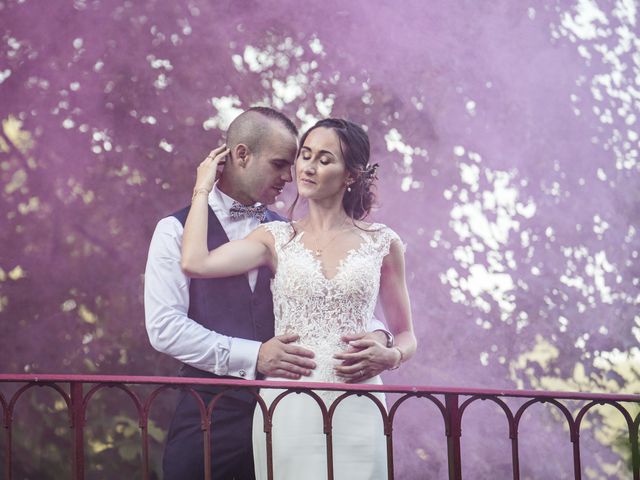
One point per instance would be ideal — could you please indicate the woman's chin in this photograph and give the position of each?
(304, 191)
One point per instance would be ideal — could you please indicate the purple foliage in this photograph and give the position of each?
(508, 145)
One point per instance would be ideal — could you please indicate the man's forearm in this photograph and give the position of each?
(170, 330)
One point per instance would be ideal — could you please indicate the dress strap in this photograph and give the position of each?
(282, 232)
(386, 237)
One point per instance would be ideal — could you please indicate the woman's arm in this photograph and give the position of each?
(394, 298)
(373, 357)
(230, 259)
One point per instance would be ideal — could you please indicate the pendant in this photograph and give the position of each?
(317, 253)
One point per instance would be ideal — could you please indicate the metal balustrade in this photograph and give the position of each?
(450, 402)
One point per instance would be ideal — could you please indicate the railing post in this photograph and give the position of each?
(269, 441)
(388, 431)
(515, 456)
(577, 467)
(329, 440)
(635, 454)
(453, 436)
(144, 433)
(7, 446)
(206, 426)
(77, 415)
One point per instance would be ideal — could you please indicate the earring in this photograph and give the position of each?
(349, 189)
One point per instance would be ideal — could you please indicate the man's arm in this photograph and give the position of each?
(166, 303)
(380, 332)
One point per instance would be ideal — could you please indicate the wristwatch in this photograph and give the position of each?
(389, 337)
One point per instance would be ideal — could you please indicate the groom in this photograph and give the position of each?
(224, 328)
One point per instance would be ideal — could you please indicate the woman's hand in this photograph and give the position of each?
(207, 170)
(366, 358)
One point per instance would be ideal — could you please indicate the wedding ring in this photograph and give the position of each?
(362, 373)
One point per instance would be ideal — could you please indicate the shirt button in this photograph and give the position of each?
(242, 373)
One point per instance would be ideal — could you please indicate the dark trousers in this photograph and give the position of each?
(231, 446)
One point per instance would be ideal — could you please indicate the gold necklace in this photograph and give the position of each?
(318, 251)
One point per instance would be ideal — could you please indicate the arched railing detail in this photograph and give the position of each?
(396, 406)
(16, 396)
(452, 403)
(134, 398)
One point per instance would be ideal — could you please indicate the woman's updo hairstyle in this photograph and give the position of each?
(355, 150)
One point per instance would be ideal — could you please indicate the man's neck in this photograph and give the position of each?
(228, 188)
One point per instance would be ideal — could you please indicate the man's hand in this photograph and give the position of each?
(277, 358)
(367, 357)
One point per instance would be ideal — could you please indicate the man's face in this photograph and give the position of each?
(268, 171)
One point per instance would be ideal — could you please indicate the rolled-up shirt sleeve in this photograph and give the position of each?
(375, 324)
(166, 305)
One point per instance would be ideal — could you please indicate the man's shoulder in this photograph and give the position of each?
(181, 214)
(272, 216)
(172, 224)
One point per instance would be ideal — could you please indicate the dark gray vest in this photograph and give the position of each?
(227, 305)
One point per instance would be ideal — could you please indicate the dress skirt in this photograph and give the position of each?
(300, 445)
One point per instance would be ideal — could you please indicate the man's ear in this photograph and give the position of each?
(241, 154)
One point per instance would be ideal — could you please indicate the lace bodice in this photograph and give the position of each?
(319, 309)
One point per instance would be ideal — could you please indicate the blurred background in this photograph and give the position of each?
(507, 138)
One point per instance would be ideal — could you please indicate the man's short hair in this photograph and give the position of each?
(252, 127)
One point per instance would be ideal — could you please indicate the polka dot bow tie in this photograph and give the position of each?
(239, 211)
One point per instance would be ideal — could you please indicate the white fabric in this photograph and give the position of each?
(321, 310)
(166, 301)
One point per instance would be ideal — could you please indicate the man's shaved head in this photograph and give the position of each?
(262, 146)
(254, 126)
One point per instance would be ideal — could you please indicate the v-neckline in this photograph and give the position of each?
(320, 264)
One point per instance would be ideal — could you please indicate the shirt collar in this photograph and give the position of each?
(220, 202)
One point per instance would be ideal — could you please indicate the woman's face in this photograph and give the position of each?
(320, 168)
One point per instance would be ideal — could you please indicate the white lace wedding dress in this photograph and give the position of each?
(320, 310)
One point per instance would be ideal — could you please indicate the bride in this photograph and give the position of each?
(330, 268)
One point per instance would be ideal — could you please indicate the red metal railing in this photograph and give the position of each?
(450, 402)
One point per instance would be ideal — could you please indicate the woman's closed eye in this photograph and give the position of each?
(324, 159)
